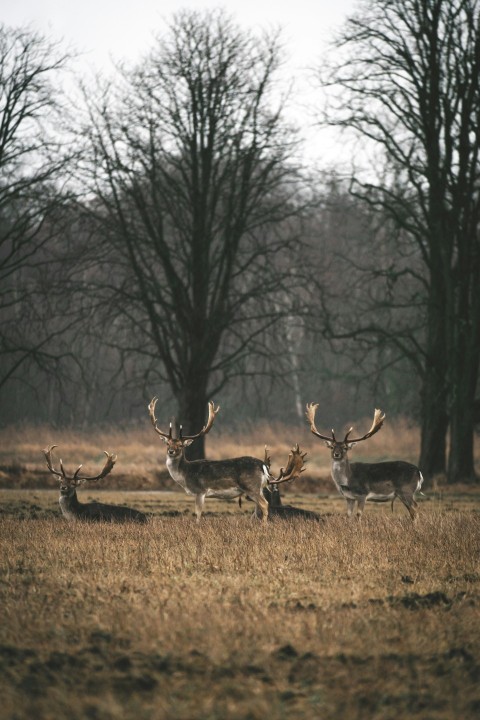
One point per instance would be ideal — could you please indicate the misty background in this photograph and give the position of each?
(196, 223)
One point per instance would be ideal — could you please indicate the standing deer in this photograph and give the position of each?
(70, 506)
(226, 479)
(359, 482)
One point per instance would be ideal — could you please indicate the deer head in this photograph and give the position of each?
(175, 446)
(340, 448)
(68, 483)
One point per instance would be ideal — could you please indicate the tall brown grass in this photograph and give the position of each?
(230, 619)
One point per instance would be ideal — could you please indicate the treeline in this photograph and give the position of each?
(160, 236)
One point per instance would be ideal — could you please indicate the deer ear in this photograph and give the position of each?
(186, 443)
(164, 439)
(350, 445)
(328, 444)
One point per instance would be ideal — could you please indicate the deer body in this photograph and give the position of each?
(225, 479)
(72, 509)
(378, 482)
(221, 479)
(276, 509)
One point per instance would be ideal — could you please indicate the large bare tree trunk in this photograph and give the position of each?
(192, 404)
(464, 368)
(461, 461)
(434, 429)
(435, 386)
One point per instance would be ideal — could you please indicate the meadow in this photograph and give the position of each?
(230, 619)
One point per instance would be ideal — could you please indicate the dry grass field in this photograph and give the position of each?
(229, 619)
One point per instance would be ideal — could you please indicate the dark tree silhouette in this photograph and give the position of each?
(196, 204)
(409, 81)
(31, 165)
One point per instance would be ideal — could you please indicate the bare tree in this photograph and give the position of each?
(197, 201)
(31, 165)
(409, 81)
(370, 304)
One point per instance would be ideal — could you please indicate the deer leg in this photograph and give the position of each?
(350, 507)
(199, 503)
(361, 506)
(412, 511)
(410, 504)
(257, 513)
(261, 507)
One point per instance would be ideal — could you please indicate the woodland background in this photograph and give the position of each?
(162, 234)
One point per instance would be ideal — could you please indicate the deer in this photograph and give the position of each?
(276, 508)
(225, 479)
(73, 509)
(359, 482)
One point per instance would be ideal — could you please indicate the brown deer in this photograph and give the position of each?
(276, 508)
(70, 506)
(226, 479)
(359, 482)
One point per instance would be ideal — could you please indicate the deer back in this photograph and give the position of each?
(220, 476)
(73, 509)
(384, 477)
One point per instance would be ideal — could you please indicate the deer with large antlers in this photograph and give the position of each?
(276, 508)
(359, 482)
(225, 479)
(73, 509)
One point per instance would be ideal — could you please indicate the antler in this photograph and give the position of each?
(76, 479)
(212, 412)
(378, 419)
(211, 417)
(310, 413)
(267, 460)
(151, 411)
(294, 467)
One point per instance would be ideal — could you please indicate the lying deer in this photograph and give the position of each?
(359, 482)
(70, 506)
(225, 479)
(276, 508)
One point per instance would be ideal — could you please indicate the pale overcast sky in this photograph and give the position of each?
(103, 30)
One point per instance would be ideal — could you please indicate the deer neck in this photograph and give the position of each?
(341, 472)
(272, 495)
(178, 468)
(69, 505)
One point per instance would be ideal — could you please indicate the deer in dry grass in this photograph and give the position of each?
(73, 509)
(276, 508)
(225, 479)
(359, 482)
